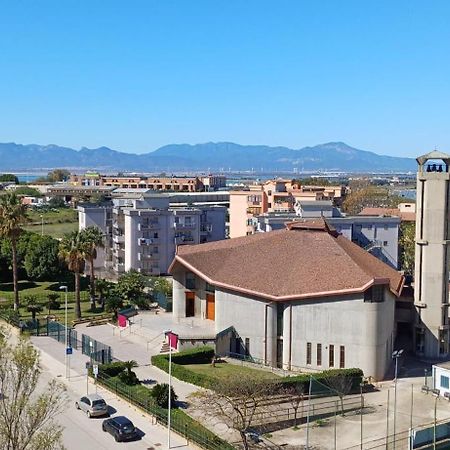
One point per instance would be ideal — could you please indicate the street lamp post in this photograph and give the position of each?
(395, 355)
(42, 225)
(66, 355)
(361, 385)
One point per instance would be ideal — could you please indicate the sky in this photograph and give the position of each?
(136, 75)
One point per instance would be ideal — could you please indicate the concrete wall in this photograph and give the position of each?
(365, 329)
(238, 214)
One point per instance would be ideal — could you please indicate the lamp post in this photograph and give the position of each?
(42, 224)
(395, 355)
(66, 355)
(361, 385)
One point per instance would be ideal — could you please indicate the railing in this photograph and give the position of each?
(182, 424)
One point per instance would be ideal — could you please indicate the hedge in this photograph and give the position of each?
(205, 354)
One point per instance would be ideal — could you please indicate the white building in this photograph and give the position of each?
(142, 231)
(302, 298)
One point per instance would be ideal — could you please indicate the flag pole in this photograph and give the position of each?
(170, 392)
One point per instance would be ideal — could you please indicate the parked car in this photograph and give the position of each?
(93, 405)
(121, 428)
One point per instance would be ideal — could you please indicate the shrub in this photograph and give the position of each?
(112, 369)
(129, 378)
(161, 395)
(200, 355)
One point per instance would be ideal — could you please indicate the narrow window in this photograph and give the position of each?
(444, 382)
(247, 347)
(331, 355)
(319, 354)
(308, 353)
(342, 357)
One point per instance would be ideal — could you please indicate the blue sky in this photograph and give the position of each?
(135, 75)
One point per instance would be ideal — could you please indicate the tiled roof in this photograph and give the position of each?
(404, 216)
(308, 259)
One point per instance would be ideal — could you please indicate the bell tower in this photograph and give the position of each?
(431, 291)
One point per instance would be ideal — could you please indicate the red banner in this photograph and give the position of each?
(172, 340)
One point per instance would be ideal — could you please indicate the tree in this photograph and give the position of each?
(407, 245)
(103, 287)
(296, 394)
(13, 214)
(72, 249)
(236, 400)
(130, 285)
(341, 384)
(33, 305)
(27, 412)
(8, 178)
(53, 302)
(58, 175)
(129, 377)
(56, 202)
(161, 395)
(160, 284)
(113, 304)
(93, 238)
(42, 258)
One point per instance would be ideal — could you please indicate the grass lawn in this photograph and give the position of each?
(223, 370)
(57, 222)
(56, 230)
(41, 289)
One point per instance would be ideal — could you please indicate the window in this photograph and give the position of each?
(319, 354)
(385, 243)
(308, 353)
(375, 294)
(190, 280)
(331, 355)
(280, 311)
(444, 382)
(270, 205)
(342, 357)
(155, 235)
(247, 347)
(209, 287)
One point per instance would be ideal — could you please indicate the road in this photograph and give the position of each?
(80, 432)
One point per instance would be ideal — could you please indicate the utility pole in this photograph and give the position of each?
(307, 417)
(395, 355)
(361, 414)
(387, 422)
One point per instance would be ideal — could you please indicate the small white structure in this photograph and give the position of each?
(441, 377)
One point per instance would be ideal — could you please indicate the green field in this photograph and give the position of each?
(224, 370)
(57, 222)
(41, 291)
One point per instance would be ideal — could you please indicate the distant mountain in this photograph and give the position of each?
(333, 156)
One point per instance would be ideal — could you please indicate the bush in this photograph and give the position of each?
(161, 395)
(129, 378)
(201, 355)
(112, 369)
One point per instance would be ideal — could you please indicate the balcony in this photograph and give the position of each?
(147, 256)
(147, 241)
(206, 228)
(118, 238)
(181, 226)
(148, 226)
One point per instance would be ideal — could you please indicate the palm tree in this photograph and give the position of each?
(13, 214)
(73, 249)
(129, 366)
(33, 306)
(93, 237)
(102, 287)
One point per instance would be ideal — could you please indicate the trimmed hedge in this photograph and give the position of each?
(204, 355)
(112, 369)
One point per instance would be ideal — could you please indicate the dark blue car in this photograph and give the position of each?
(121, 428)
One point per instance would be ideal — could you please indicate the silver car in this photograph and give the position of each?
(93, 405)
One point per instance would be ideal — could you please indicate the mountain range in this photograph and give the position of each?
(208, 157)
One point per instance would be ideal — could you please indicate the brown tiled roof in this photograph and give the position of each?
(404, 216)
(307, 260)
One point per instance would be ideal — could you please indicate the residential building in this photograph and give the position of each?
(406, 212)
(301, 298)
(275, 196)
(156, 183)
(441, 378)
(431, 289)
(143, 230)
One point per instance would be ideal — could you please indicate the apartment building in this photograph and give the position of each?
(274, 196)
(143, 231)
(156, 183)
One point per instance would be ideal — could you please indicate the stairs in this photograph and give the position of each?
(164, 348)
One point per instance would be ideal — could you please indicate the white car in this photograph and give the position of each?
(93, 405)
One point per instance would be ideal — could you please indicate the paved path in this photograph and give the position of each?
(81, 432)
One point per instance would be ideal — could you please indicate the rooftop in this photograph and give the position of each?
(307, 259)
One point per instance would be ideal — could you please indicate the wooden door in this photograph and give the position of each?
(210, 306)
(190, 304)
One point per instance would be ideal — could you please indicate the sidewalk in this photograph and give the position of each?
(135, 347)
(52, 357)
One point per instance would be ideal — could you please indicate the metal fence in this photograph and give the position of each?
(182, 424)
(96, 350)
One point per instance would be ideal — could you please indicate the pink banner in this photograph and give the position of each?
(172, 339)
(122, 321)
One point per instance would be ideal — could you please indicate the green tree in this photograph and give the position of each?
(93, 238)
(58, 175)
(33, 306)
(129, 377)
(72, 249)
(27, 414)
(113, 304)
(13, 214)
(8, 178)
(130, 285)
(161, 395)
(42, 258)
(407, 247)
(102, 288)
(53, 302)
